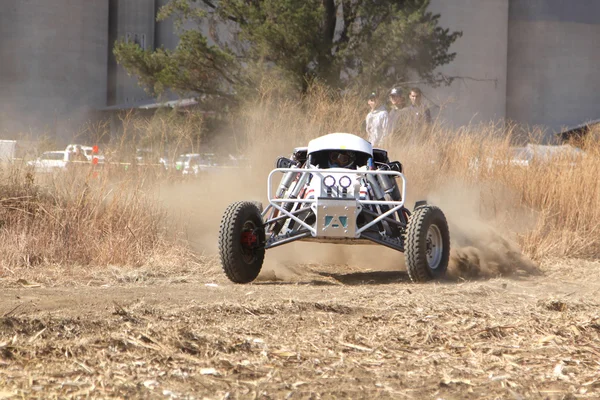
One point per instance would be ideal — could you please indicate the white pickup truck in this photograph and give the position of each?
(59, 160)
(50, 161)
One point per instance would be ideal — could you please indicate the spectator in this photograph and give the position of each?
(78, 154)
(418, 111)
(376, 120)
(398, 113)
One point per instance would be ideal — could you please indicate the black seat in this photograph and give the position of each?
(380, 156)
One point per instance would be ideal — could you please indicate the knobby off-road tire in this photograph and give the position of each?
(241, 242)
(427, 244)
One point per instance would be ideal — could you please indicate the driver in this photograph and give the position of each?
(341, 159)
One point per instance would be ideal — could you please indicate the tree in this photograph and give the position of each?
(338, 42)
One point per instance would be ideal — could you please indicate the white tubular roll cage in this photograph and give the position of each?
(278, 203)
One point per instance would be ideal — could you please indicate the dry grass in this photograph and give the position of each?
(63, 226)
(371, 337)
(80, 219)
(549, 208)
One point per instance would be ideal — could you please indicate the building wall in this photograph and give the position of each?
(164, 34)
(553, 62)
(480, 96)
(130, 20)
(54, 60)
(532, 61)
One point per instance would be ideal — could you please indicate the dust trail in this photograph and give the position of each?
(482, 240)
(296, 261)
(483, 222)
(200, 203)
(483, 226)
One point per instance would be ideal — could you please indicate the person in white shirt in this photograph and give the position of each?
(376, 120)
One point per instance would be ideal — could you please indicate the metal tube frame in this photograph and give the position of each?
(276, 203)
(284, 240)
(270, 221)
(388, 220)
(377, 239)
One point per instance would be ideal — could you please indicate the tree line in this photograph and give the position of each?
(339, 43)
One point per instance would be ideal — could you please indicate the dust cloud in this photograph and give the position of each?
(483, 242)
(483, 225)
(198, 206)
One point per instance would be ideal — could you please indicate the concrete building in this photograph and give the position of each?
(478, 93)
(534, 62)
(54, 62)
(132, 21)
(553, 62)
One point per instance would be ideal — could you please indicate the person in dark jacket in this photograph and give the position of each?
(419, 113)
(397, 115)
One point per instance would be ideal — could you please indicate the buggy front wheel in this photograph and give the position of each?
(427, 244)
(242, 242)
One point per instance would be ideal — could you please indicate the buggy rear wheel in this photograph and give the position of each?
(242, 241)
(427, 244)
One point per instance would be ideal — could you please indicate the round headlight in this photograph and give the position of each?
(329, 181)
(345, 182)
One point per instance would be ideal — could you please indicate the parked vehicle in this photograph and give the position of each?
(195, 163)
(8, 149)
(523, 157)
(149, 157)
(50, 161)
(88, 153)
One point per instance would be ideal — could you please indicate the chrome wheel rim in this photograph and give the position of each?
(434, 247)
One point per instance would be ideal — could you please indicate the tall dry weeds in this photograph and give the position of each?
(549, 208)
(78, 219)
(107, 215)
(495, 208)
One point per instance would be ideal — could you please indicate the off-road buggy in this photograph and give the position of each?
(337, 190)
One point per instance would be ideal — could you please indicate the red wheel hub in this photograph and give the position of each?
(249, 239)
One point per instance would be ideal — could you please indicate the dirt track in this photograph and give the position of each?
(329, 332)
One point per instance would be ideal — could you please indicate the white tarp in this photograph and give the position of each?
(532, 153)
(545, 153)
(8, 149)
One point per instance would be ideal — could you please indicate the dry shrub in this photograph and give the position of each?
(109, 215)
(493, 206)
(549, 208)
(78, 219)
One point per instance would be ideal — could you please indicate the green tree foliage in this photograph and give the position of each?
(337, 42)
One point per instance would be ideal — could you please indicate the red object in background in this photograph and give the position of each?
(95, 160)
(95, 150)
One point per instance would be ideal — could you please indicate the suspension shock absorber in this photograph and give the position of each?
(293, 194)
(389, 187)
(382, 190)
(377, 191)
(285, 183)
